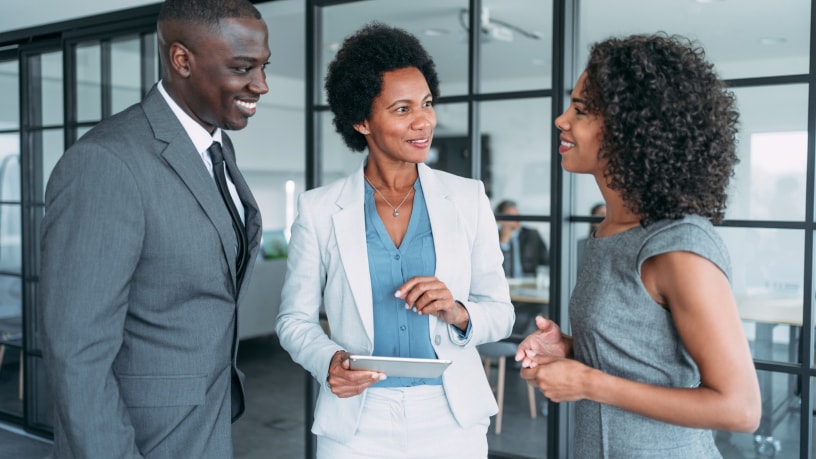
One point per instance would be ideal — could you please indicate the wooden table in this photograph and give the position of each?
(529, 302)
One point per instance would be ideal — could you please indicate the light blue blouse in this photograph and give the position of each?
(399, 332)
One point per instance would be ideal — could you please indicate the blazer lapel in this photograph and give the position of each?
(349, 228)
(445, 226)
(182, 157)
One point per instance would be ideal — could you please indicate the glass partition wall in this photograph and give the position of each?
(501, 86)
(501, 90)
(11, 304)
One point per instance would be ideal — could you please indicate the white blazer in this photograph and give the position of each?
(328, 266)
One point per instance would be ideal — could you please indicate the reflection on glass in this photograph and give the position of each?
(42, 412)
(586, 193)
(151, 44)
(82, 131)
(10, 239)
(769, 181)
(743, 39)
(89, 81)
(767, 278)
(11, 344)
(9, 87)
(450, 149)
(516, 45)
(519, 133)
(126, 82)
(10, 167)
(336, 158)
(436, 24)
(50, 144)
(51, 78)
(451, 120)
(10, 308)
(10, 177)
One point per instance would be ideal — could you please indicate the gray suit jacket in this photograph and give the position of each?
(138, 292)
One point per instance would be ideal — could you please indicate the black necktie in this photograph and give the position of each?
(217, 157)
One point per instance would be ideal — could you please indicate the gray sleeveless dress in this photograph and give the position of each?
(619, 329)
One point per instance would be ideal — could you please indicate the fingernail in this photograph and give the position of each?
(407, 306)
(397, 294)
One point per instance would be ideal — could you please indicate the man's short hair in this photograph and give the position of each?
(206, 11)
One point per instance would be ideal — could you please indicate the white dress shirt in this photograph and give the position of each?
(202, 141)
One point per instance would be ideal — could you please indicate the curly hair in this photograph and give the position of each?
(669, 125)
(354, 77)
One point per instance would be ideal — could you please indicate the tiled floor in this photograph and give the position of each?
(273, 424)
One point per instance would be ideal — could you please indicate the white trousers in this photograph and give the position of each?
(408, 423)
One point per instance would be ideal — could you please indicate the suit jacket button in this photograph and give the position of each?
(438, 340)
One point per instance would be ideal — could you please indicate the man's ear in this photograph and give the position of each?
(180, 59)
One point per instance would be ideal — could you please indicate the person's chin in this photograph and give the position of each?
(236, 124)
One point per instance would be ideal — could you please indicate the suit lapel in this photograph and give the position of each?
(349, 228)
(183, 158)
(252, 214)
(252, 217)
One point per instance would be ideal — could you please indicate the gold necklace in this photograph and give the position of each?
(396, 209)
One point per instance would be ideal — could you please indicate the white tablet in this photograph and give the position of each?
(400, 366)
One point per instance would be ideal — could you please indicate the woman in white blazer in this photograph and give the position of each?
(404, 261)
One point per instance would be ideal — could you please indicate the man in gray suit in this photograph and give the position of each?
(141, 272)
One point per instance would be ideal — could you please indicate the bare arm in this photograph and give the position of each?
(699, 297)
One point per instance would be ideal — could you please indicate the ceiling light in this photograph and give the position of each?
(773, 41)
(435, 32)
(495, 29)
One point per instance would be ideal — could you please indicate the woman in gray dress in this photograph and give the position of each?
(658, 356)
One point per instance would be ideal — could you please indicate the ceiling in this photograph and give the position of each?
(24, 14)
(766, 34)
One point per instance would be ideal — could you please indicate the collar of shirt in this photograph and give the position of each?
(202, 140)
(200, 137)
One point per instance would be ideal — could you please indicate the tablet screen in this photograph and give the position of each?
(400, 366)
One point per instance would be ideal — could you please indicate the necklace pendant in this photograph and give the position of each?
(396, 213)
